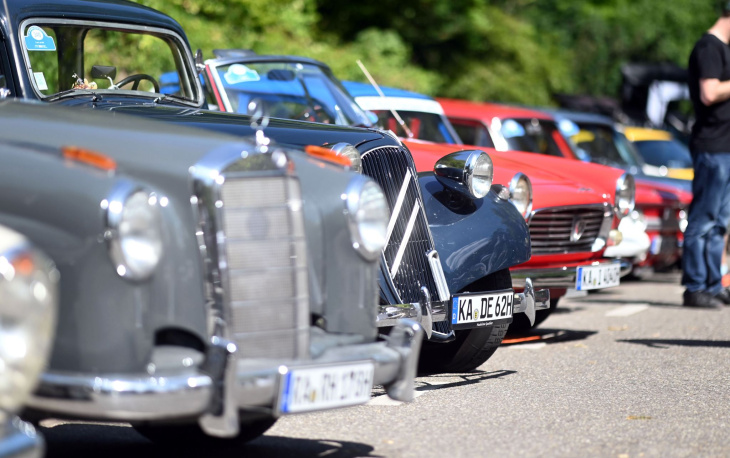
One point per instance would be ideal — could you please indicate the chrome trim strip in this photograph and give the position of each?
(124, 397)
(398, 204)
(406, 238)
(438, 275)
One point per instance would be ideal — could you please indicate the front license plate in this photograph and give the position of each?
(481, 309)
(327, 387)
(597, 277)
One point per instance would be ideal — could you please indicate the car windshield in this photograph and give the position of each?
(67, 58)
(604, 145)
(532, 136)
(668, 153)
(290, 90)
(431, 127)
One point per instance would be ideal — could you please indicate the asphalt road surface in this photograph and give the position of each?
(625, 372)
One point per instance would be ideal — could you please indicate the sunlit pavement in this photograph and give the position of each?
(625, 372)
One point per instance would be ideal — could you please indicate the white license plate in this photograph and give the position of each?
(326, 387)
(476, 310)
(597, 277)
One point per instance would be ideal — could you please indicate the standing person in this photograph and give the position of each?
(709, 213)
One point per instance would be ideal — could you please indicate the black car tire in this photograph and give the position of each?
(191, 435)
(472, 347)
(521, 324)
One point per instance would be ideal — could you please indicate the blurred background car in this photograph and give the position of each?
(659, 148)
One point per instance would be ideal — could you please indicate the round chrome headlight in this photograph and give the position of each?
(135, 226)
(520, 189)
(625, 195)
(368, 214)
(350, 152)
(28, 301)
(479, 174)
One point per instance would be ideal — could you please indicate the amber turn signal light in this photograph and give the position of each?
(89, 157)
(327, 154)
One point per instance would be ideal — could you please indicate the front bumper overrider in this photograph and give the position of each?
(427, 311)
(194, 393)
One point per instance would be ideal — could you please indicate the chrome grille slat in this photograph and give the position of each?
(551, 229)
(389, 167)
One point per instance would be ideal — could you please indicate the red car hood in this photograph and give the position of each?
(552, 184)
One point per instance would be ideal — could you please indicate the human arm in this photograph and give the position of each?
(712, 90)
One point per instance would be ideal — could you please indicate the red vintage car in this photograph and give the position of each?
(504, 127)
(565, 193)
(570, 223)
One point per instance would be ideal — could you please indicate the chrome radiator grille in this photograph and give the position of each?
(566, 229)
(266, 264)
(409, 238)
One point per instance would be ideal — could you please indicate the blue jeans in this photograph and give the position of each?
(709, 214)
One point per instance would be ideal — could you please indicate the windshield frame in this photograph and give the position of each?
(185, 56)
(212, 66)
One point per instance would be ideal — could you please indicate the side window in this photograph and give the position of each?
(472, 132)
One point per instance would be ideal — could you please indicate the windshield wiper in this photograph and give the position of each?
(64, 94)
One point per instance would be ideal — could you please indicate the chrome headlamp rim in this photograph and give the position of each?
(625, 182)
(469, 169)
(352, 201)
(513, 184)
(29, 288)
(350, 152)
(114, 206)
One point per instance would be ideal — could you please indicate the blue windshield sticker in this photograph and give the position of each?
(511, 129)
(238, 73)
(37, 40)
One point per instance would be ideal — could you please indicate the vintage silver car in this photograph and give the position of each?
(211, 285)
(452, 236)
(28, 301)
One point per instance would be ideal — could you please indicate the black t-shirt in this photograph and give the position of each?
(710, 58)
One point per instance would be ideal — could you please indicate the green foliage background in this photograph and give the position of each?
(520, 51)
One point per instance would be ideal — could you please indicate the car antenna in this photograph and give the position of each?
(377, 89)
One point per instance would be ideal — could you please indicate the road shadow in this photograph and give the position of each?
(88, 440)
(666, 343)
(548, 336)
(465, 378)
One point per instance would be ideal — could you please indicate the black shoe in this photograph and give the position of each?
(723, 296)
(701, 299)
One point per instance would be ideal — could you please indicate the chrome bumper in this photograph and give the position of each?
(19, 439)
(556, 277)
(194, 394)
(428, 312)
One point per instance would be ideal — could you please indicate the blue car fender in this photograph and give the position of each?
(474, 237)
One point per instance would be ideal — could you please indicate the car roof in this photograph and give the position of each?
(487, 111)
(580, 117)
(639, 134)
(107, 10)
(367, 90)
(229, 56)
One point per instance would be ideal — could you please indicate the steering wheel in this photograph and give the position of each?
(136, 80)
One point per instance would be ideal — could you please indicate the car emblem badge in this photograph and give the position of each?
(578, 227)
